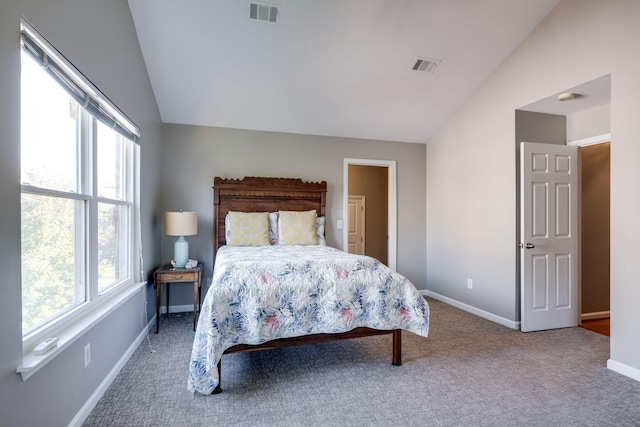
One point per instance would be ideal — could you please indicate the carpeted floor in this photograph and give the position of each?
(469, 372)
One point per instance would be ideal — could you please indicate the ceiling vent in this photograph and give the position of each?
(426, 64)
(263, 12)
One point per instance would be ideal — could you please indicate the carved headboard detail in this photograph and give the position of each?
(258, 194)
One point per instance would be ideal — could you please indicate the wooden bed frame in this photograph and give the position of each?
(256, 194)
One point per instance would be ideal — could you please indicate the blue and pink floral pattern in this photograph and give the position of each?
(263, 293)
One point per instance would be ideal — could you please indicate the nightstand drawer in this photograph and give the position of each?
(177, 276)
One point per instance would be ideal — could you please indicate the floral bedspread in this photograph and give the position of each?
(266, 292)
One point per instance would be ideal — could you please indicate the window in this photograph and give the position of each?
(79, 205)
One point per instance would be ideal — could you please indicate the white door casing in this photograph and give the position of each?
(356, 225)
(548, 236)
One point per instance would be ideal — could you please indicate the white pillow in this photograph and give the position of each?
(273, 228)
(320, 221)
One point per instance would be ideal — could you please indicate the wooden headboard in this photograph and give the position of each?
(256, 194)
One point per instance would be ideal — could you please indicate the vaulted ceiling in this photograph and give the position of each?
(326, 67)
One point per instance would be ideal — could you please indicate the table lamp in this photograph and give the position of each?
(180, 224)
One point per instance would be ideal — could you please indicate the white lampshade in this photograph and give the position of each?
(180, 223)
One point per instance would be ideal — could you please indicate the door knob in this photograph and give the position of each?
(528, 246)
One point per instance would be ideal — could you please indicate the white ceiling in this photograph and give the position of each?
(328, 67)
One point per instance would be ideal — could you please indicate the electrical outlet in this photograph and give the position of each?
(87, 355)
(469, 284)
(339, 224)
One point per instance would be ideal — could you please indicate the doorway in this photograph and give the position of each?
(582, 120)
(376, 180)
(593, 235)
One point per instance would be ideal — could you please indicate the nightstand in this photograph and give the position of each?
(167, 275)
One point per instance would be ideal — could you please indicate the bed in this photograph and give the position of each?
(286, 292)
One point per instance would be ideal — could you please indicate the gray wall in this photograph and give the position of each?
(194, 155)
(95, 36)
(472, 157)
(592, 122)
(539, 127)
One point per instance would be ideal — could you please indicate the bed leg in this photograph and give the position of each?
(218, 388)
(397, 348)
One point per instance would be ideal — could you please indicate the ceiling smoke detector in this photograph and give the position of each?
(568, 96)
(427, 65)
(264, 12)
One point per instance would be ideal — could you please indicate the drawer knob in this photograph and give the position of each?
(176, 277)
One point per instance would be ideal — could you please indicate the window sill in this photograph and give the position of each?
(32, 363)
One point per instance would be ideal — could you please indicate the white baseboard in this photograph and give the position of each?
(595, 315)
(91, 403)
(176, 308)
(623, 369)
(473, 310)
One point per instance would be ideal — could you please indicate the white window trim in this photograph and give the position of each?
(73, 330)
(51, 328)
(70, 326)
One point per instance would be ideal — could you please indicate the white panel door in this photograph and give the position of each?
(355, 224)
(548, 236)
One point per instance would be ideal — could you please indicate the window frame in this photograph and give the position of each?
(71, 322)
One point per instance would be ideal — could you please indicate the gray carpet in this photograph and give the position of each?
(469, 372)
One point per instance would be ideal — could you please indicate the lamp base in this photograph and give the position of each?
(181, 252)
